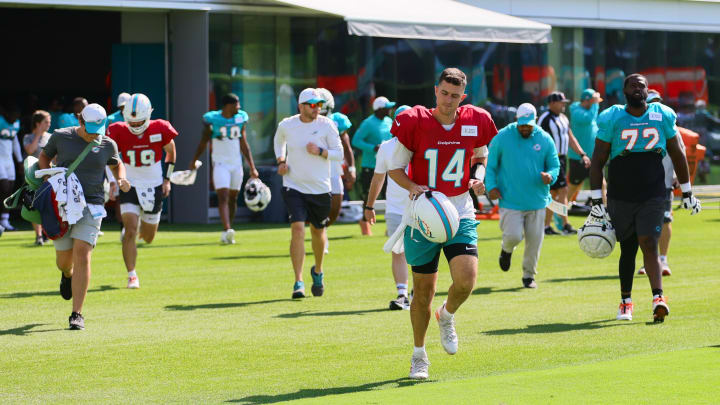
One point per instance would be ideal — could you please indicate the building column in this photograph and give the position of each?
(189, 98)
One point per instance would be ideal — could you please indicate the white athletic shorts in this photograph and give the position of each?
(336, 185)
(7, 169)
(129, 208)
(227, 176)
(392, 221)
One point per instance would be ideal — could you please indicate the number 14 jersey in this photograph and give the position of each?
(441, 157)
(142, 154)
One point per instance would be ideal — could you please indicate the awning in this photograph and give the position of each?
(428, 19)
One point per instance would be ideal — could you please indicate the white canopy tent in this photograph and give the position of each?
(428, 19)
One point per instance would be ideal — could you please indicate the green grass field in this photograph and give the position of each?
(215, 324)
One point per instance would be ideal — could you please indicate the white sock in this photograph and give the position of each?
(444, 314)
(402, 289)
(132, 274)
(627, 300)
(419, 351)
(663, 259)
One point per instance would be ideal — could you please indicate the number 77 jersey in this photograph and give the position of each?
(441, 157)
(629, 134)
(142, 154)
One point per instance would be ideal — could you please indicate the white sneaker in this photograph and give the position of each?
(641, 270)
(665, 267)
(230, 236)
(133, 282)
(625, 311)
(6, 225)
(448, 337)
(419, 367)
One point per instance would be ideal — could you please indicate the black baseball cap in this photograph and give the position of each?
(557, 96)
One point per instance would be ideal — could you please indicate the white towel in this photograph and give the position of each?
(395, 242)
(69, 196)
(146, 196)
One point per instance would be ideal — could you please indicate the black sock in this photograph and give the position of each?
(624, 296)
(657, 291)
(626, 268)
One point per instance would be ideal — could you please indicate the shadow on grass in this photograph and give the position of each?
(483, 291)
(334, 238)
(29, 294)
(275, 256)
(26, 330)
(588, 278)
(322, 392)
(332, 313)
(556, 327)
(221, 305)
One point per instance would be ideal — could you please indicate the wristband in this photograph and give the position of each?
(478, 171)
(169, 168)
(281, 162)
(369, 208)
(320, 152)
(352, 169)
(595, 194)
(583, 155)
(686, 187)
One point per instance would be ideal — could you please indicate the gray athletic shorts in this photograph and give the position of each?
(641, 218)
(392, 221)
(86, 229)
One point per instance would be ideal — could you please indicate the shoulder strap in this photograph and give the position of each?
(80, 158)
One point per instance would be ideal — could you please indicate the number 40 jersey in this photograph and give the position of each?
(226, 134)
(142, 153)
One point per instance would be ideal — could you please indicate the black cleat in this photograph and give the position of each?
(529, 283)
(65, 287)
(401, 302)
(318, 287)
(568, 230)
(505, 258)
(77, 322)
(550, 231)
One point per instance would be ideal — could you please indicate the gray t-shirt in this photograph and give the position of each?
(67, 145)
(28, 140)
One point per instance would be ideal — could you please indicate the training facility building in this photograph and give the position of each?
(185, 54)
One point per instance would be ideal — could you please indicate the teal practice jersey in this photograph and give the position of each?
(225, 128)
(629, 134)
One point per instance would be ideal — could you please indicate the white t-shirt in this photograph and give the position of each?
(396, 197)
(308, 174)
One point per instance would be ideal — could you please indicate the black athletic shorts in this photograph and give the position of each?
(578, 172)
(562, 175)
(640, 218)
(131, 198)
(307, 207)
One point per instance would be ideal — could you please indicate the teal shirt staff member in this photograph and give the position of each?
(583, 122)
(522, 163)
(117, 116)
(373, 131)
(71, 119)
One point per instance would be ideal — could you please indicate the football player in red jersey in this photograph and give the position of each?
(444, 147)
(141, 142)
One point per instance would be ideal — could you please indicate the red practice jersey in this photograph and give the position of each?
(142, 154)
(441, 158)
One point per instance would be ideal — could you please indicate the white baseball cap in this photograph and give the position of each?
(95, 118)
(382, 102)
(310, 95)
(122, 99)
(526, 114)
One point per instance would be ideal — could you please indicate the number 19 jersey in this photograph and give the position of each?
(226, 134)
(637, 146)
(142, 154)
(441, 158)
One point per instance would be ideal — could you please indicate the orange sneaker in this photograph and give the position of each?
(625, 311)
(660, 308)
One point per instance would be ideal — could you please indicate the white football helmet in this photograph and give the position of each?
(257, 195)
(329, 105)
(138, 109)
(597, 237)
(122, 99)
(435, 217)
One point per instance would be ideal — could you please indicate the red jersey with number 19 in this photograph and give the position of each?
(441, 157)
(141, 154)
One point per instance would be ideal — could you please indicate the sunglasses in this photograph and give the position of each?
(313, 105)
